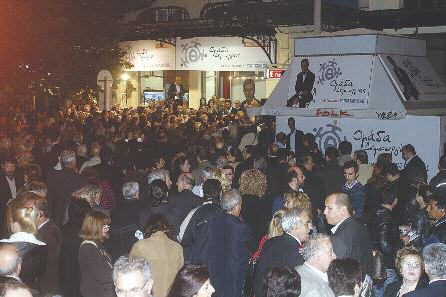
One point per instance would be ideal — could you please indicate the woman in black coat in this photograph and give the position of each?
(410, 266)
(256, 207)
(94, 261)
(70, 274)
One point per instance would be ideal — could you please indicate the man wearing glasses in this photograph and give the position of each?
(132, 277)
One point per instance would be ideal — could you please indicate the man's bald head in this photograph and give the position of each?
(10, 260)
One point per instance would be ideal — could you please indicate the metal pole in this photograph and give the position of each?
(317, 17)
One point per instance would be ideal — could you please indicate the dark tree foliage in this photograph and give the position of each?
(56, 47)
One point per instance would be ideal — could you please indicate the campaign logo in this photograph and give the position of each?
(192, 52)
(329, 71)
(328, 136)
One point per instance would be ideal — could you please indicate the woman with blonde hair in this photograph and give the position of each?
(22, 224)
(94, 261)
(255, 206)
(295, 199)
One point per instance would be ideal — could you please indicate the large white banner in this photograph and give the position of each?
(376, 136)
(414, 77)
(219, 54)
(149, 55)
(341, 82)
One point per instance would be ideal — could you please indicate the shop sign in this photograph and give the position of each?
(149, 55)
(219, 54)
(275, 72)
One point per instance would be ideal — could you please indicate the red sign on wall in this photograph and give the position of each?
(275, 72)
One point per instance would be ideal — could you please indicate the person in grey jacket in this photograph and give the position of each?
(318, 254)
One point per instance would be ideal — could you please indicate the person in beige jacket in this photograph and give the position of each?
(164, 255)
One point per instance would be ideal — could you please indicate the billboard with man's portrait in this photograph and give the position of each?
(341, 82)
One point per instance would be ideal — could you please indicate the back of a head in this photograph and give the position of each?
(77, 210)
(230, 199)
(188, 281)
(362, 156)
(282, 282)
(342, 199)
(37, 187)
(345, 147)
(434, 263)
(14, 288)
(26, 219)
(331, 153)
(212, 189)
(344, 275)
(10, 260)
(130, 190)
(158, 191)
(389, 196)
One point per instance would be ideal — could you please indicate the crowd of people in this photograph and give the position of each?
(171, 202)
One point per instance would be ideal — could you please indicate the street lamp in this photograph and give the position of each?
(125, 77)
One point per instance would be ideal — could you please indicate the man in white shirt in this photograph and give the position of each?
(318, 254)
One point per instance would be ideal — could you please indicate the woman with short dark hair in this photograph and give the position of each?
(192, 281)
(282, 282)
(345, 277)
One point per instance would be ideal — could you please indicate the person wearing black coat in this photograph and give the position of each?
(125, 221)
(350, 238)
(225, 245)
(331, 174)
(385, 233)
(284, 250)
(198, 217)
(61, 184)
(438, 182)
(414, 167)
(69, 268)
(433, 256)
(437, 212)
(303, 87)
(182, 202)
(294, 139)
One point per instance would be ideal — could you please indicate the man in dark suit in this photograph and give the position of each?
(284, 250)
(303, 87)
(434, 265)
(294, 139)
(125, 221)
(415, 167)
(8, 188)
(351, 239)
(198, 217)
(332, 175)
(49, 233)
(225, 247)
(182, 202)
(61, 184)
(437, 212)
(175, 93)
